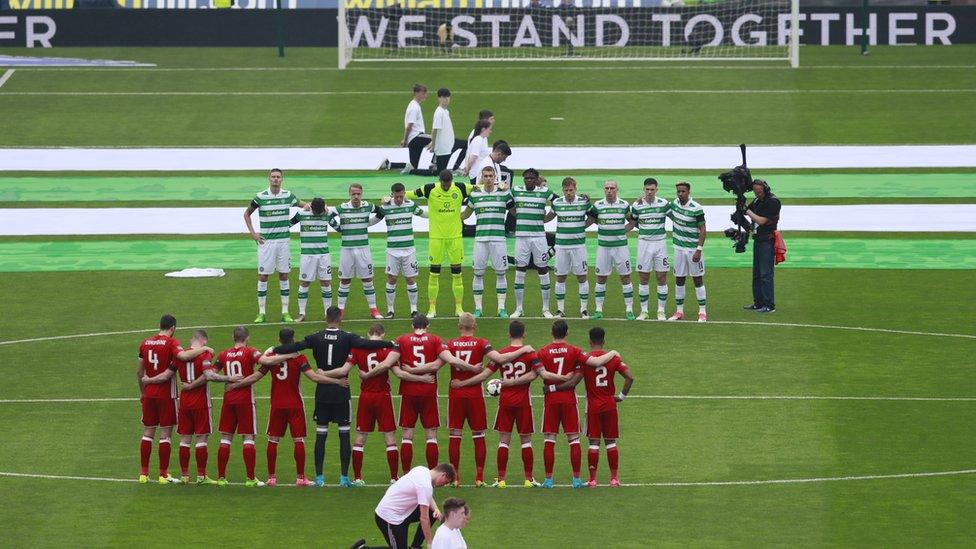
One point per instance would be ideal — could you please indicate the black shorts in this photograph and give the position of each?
(333, 412)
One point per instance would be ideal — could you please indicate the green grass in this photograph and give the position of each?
(347, 114)
(663, 440)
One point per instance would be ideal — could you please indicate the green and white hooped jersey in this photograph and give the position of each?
(313, 232)
(490, 209)
(687, 218)
(354, 223)
(530, 210)
(650, 218)
(611, 222)
(570, 221)
(274, 213)
(399, 223)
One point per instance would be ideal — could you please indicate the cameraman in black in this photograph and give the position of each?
(764, 212)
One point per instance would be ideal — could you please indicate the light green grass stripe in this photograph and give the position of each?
(80, 189)
(175, 254)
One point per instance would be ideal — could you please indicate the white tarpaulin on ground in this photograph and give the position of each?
(108, 221)
(543, 158)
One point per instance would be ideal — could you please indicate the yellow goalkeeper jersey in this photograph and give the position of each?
(444, 207)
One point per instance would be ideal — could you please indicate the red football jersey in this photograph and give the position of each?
(561, 359)
(415, 351)
(157, 353)
(600, 389)
(285, 380)
(366, 360)
(239, 361)
(518, 395)
(198, 398)
(471, 350)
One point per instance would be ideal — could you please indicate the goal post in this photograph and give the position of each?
(506, 30)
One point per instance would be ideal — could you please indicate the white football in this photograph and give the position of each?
(493, 387)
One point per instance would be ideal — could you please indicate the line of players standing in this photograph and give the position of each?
(414, 358)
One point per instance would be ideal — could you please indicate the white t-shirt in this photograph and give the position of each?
(478, 147)
(487, 161)
(445, 131)
(414, 116)
(413, 489)
(448, 538)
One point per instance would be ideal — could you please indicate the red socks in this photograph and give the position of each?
(300, 458)
(613, 459)
(202, 455)
(593, 459)
(249, 458)
(454, 451)
(480, 452)
(406, 455)
(223, 456)
(184, 460)
(549, 456)
(528, 460)
(502, 460)
(164, 452)
(357, 462)
(272, 454)
(145, 450)
(575, 457)
(391, 459)
(432, 453)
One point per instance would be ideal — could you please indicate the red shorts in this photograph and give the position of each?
(292, 418)
(564, 413)
(158, 412)
(521, 416)
(194, 421)
(238, 419)
(602, 424)
(375, 409)
(470, 409)
(412, 407)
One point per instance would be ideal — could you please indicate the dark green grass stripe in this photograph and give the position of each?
(102, 255)
(79, 189)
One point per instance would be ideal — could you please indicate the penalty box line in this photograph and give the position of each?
(679, 484)
(359, 320)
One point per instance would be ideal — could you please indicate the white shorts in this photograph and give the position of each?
(315, 267)
(571, 260)
(402, 261)
(609, 258)
(684, 266)
(652, 255)
(490, 253)
(534, 247)
(274, 256)
(355, 263)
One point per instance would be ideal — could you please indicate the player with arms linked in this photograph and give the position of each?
(158, 400)
(333, 403)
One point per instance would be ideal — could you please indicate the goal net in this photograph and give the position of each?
(512, 30)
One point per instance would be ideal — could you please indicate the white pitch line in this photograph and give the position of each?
(534, 68)
(485, 92)
(358, 320)
(6, 76)
(629, 397)
(677, 484)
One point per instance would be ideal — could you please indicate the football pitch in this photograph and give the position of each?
(846, 418)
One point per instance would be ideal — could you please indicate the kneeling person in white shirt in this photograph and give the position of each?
(457, 514)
